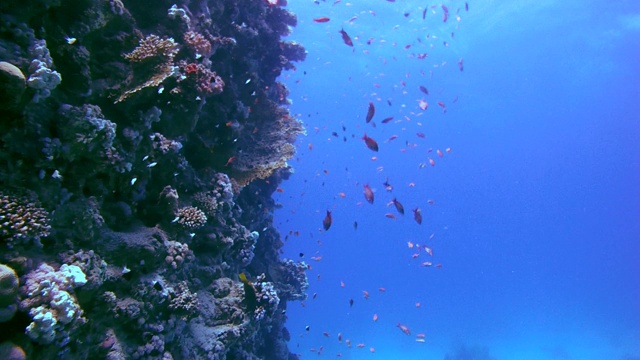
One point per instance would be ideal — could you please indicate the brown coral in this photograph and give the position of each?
(22, 219)
(191, 217)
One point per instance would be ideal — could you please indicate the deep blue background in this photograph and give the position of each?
(537, 207)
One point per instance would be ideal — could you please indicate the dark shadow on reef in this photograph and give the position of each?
(141, 142)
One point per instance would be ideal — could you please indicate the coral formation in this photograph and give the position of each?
(140, 145)
(8, 293)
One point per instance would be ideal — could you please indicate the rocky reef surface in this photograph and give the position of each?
(140, 143)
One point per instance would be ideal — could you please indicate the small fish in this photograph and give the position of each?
(355, 225)
(370, 112)
(421, 135)
(398, 206)
(390, 216)
(404, 329)
(424, 90)
(432, 162)
(428, 250)
(339, 337)
(460, 65)
(230, 161)
(386, 120)
(417, 215)
(387, 186)
(368, 193)
(439, 153)
(346, 38)
(326, 223)
(423, 105)
(350, 302)
(323, 19)
(375, 317)
(365, 293)
(371, 144)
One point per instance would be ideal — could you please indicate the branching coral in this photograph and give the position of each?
(191, 218)
(22, 219)
(49, 300)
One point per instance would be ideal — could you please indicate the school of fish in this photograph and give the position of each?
(439, 17)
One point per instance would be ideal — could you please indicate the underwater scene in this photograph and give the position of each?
(302, 179)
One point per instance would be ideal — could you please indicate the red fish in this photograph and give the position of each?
(326, 223)
(368, 193)
(321, 19)
(398, 206)
(370, 112)
(404, 329)
(386, 120)
(371, 144)
(440, 153)
(346, 38)
(442, 105)
(417, 215)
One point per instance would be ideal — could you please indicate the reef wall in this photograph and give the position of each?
(140, 144)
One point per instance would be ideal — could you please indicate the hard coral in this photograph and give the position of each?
(155, 53)
(191, 217)
(49, 300)
(21, 220)
(8, 292)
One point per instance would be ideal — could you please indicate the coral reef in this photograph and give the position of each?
(140, 145)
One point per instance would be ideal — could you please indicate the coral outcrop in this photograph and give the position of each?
(140, 145)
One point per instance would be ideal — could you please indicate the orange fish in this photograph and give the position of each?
(404, 329)
(439, 153)
(428, 250)
(280, 190)
(368, 193)
(342, 195)
(370, 112)
(341, 283)
(375, 317)
(432, 162)
(321, 19)
(326, 223)
(372, 349)
(310, 146)
(423, 105)
(371, 144)
(448, 150)
(230, 161)
(398, 205)
(346, 38)
(417, 215)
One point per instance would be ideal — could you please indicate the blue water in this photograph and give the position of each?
(536, 209)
